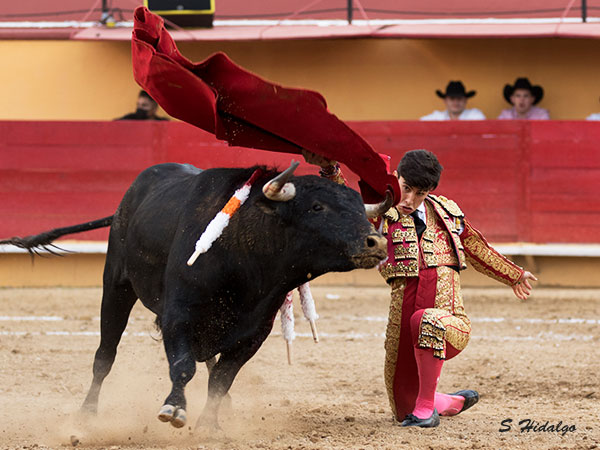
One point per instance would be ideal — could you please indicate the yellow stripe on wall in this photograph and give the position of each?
(362, 79)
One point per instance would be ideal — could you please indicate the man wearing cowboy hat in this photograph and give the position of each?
(523, 96)
(455, 99)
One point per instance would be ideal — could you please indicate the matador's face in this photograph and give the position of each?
(412, 197)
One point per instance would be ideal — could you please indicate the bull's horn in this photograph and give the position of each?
(377, 209)
(278, 189)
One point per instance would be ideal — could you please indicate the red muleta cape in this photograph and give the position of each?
(247, 111)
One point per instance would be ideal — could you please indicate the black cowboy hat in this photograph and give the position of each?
(455, 89)
(523, 83)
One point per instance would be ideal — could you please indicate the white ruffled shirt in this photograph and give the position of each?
(467, 114)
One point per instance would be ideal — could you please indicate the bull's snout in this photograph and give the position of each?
(377, 242)
(374, 251)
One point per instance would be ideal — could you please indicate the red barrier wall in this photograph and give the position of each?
(516, 181)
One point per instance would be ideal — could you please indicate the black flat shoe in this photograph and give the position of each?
(471, 397)
(413, 421)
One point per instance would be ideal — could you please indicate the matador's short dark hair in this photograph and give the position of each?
(420, 169)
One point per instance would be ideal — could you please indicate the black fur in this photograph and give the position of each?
(226, 302)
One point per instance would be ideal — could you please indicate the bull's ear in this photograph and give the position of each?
(267, 206)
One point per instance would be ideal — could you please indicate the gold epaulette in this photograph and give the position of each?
(392, 214)
(449, 205)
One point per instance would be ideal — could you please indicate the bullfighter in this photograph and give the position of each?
(429, 241)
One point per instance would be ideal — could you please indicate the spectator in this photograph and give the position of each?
(595, 116)
(455, 99)
(523, 96)
(145, 110)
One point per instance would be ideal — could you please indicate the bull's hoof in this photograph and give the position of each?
(170, 413)
(179, 419)
(211, 425)
(166, 413)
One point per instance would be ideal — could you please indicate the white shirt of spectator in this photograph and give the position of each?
(595, 116)
(467, 114)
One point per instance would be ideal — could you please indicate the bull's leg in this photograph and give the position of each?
(182, 367)
(210, 364)
(117, 301)
(221, 378)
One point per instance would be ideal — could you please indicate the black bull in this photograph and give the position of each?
(226, 302)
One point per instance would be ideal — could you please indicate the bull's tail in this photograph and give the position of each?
(43, 241)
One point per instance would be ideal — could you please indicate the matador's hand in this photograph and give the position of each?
(317, 160)
(523, 287)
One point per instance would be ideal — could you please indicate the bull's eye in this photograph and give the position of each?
(317, 207)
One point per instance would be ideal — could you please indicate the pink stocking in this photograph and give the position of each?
(448, 405)
(429, 368)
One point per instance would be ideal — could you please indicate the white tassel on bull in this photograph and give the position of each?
(287, 323)
(278, 189)
(308, 307)
(287, 316)
(219, 223)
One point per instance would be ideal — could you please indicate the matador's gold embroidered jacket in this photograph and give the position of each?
(448, 240)
(442, 243)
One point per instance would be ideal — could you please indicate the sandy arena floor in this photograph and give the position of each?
(537, 360)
